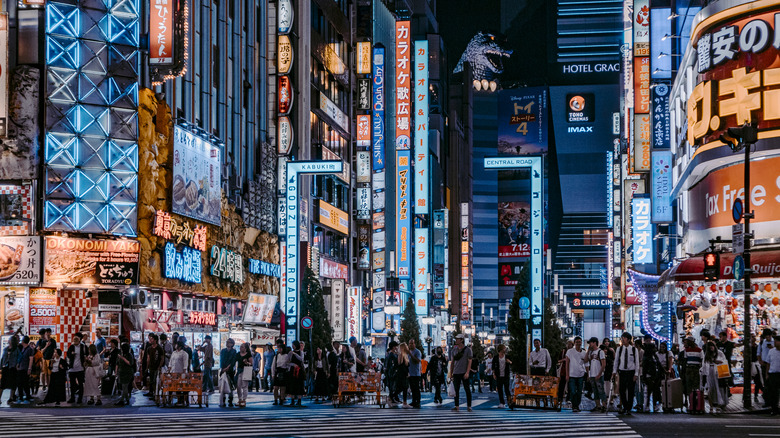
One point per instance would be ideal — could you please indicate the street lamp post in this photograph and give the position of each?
(745, 137)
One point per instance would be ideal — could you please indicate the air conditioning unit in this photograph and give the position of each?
(141, 298)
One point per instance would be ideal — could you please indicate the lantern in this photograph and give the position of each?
(768, 287)
(684, 299)
(701, 289)
(762, 302)
(690, 290)
(728, 288)
(714, 287)
(775, 301)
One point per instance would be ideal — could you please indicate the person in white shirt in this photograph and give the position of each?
(597, 361)
(764, 348)
(626, 371)
(575, 365)
(179, 363)
(773, 382)
(540, 360)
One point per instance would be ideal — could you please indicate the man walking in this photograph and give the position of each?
(268, 360)
(24, 368)
(597, 361)
(47, 345)
(773, 382)
(540, 359)
(460, 365)
(415, 375)
(77, 356)
(501, 367)
(227, 363)
(627, 372)
(100, 343)
(155, 359)
(575, 365)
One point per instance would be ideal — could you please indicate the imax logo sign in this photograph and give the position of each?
(580, 129)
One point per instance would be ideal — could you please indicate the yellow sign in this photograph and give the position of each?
(642, 148)
(740, 96)
(364, 58)
(332, 217)
(284, 55)
(536, 385)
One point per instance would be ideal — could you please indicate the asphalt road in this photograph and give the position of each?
(695, 426)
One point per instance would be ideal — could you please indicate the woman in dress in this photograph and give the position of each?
(59, 374)
(243, 363)
(92, 376)
(402, 371)
(717, 389)
(297, 375)
(320, 376)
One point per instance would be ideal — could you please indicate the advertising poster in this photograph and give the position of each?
(4, 74)
(90, 261)
(354, 318)
(509, 273)
(514, 229)
(522, 121)
(43, 309)
(197, 175)
(259, 308)
(364, 247)
(14, 309)
(20, 260)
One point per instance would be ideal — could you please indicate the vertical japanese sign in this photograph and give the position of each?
(642, 85)
(641, 27)
(364, 58)
(642, 139)
(661, 188)
(364, 130)
(642, 230)
(465, 309)
(161, 32)
(354, 317)
(421, 186)
(662, 121)
(402, 85)
(403, 213)
(337, 316)
(378, 124)
(3, 74)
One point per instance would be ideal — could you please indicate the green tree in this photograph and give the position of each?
(477, 349)
(410, 327)
(313, 305)
(517, 328)
(553, 338)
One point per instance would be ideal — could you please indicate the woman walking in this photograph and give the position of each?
(717, 389)
(297, 378)
(8, 363)
(92, 376)
(125, 373)
(402, 371)
(279, 370)
(59, 374)
(437, 369)
(245, 373)
(320, 376)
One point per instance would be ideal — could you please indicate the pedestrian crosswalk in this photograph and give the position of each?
(307, 423)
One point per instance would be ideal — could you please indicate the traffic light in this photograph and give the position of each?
(711, 266)
(738, 138)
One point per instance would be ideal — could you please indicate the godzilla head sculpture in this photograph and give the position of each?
(485, 53)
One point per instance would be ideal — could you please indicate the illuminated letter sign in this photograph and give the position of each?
(161, 32)
(284, 135)
(642, 230)
(403, 81)
(378, 124)
(284, 16)
(403, 213)
(284, 55)
(285, 95)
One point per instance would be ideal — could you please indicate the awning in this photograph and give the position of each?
(766, 264)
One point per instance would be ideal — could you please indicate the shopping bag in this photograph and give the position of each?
(247, 374)
(451, 390)
(224, 383)
(723, 371)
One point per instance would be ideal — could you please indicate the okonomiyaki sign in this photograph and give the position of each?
(90, 261)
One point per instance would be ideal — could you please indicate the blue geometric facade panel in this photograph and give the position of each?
(91, 147)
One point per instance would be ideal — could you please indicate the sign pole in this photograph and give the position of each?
(747, 341)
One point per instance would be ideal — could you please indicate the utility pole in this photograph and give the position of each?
(738, 138)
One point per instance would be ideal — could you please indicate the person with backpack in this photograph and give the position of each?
(597, 362)
(24, 368)
(626, 372)
(692, 383)
(653, 373)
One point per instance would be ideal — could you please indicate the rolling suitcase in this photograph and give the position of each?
(696, 402)
(671, 394)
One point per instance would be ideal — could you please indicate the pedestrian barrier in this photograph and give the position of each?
(353, 388)
(535, 392)
(188, 387)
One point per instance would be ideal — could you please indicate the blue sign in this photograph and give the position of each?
(524, 303)
(642, 228)
(739, 268)
(737, 210)
(264, 268)
(662, 119)
(185, 265)
(661, 187)
(307, 322)
(378, 123)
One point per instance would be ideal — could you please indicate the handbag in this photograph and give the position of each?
(247, 373)
(450, 390)
(723, 371)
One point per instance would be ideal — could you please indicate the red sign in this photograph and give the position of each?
(642, 85)
(632, 298)
(202, 318)
(285, 95)
(363, 131)
(161, 32)
(331, 269)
